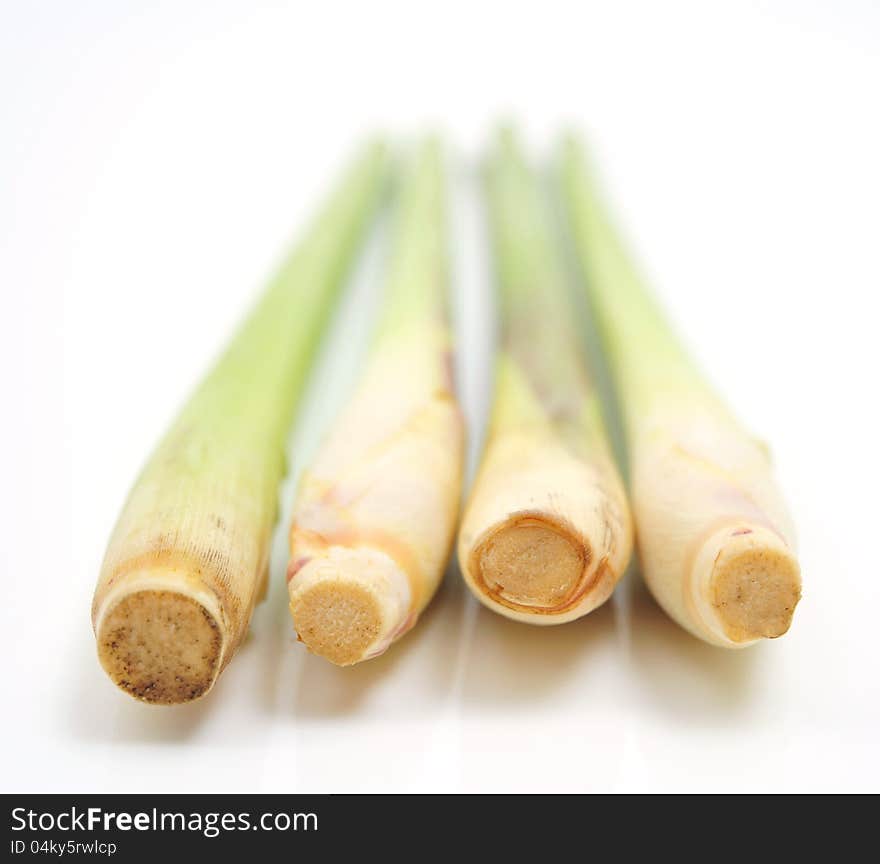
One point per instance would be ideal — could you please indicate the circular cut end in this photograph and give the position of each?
(337, 620)
(745, 584)
(350, 604)
(755, 591)
(160, 646)
(533, 564)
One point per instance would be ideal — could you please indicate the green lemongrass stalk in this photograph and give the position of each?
(547, 533)
(188, 557)
(715, 540)
(376, 512)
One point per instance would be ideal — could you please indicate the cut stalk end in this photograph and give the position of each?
(160, 646)
(533, 563)
(747, 584)
(350, 604)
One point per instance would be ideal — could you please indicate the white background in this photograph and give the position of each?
(156, 158)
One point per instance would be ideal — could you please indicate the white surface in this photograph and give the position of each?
(153, 163)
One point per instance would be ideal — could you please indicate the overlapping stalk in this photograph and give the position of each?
(376, 512)
(188, 556)
(547, 533)
(715, 540)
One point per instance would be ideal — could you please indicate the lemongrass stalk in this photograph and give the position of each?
(188, 557)
(715, 539)
(376, 512)
(546, 534)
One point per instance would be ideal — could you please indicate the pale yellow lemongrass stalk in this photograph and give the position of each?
(188, 558)
(546, 534)
(376, 512)
(715, 539)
